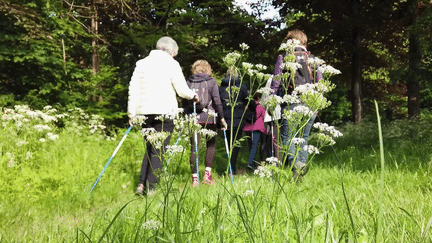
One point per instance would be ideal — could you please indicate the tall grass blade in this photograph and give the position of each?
(379, 229)
(427, 229)
(112, 221)
(84, 235)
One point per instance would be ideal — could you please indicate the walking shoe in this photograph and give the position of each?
(207, 176)
(194, 180)
(140, 189)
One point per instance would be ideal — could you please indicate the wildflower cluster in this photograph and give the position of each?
(151, 225)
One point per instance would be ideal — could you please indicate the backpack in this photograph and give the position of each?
(303, 75)
(250, 112)
(200, 88)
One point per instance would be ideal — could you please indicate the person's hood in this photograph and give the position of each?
(199, 77)
(230, 81)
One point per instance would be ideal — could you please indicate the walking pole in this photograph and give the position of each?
(196, 144)
(112, 156)
(227, 150)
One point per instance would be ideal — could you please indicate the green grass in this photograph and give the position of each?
(57, 206)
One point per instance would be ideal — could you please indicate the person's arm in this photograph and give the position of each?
(278, 71)
(214, 91)
(133, 93)
(179, 83)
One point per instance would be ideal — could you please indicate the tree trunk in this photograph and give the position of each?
(95, 44)
(356, 84)
(414, 53)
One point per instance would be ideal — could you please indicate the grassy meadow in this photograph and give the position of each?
(47, 172)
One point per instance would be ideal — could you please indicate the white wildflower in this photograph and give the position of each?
(174, 114)
(324, 127)
(311, 149)
(247, 65)
(291, 99)
(252, 72)
(265, 91)
(305, 89)
(138, 120)
(248, 193)
(152, 224)
(146, 131)
(210, 113)
(231, 58)
(42, 140)
(298, 140)
(315, 61)
(40, 128)
(303, 110)
(124, 186)
(52, 136)
(244, 46)
(48, 107)
(207, 133)
(263, 171)
(327, 69)
(291, 65)
(172, 149)
(261, 67)
(157, 138)
(273, 161)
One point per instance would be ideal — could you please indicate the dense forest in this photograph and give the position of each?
(81, 53)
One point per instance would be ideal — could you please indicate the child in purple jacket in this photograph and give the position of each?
(255, 130)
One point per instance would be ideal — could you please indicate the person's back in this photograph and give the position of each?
(241, 99)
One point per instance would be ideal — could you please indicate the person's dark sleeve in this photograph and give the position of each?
(216, 98)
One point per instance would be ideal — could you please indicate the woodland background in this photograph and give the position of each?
(76, 53)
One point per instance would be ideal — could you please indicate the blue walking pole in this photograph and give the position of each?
(229, 162)
(112, 156)
(196, 145)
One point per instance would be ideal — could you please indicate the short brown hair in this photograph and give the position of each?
(298, 35)
(201, 66)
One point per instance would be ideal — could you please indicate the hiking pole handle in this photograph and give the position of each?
(112, 156)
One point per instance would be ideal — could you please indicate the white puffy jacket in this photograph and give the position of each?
(154, 84)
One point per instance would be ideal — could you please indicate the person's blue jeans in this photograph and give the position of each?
(289, 132)
(253, 141)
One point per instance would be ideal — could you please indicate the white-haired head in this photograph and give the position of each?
(167, 44)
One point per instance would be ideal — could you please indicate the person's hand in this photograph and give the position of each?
(131, 121)
(224, 124)
(196, 99)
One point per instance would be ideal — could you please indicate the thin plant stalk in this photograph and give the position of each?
(378, 234)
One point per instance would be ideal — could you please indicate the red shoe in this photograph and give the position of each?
(207, 176)
(194, 180)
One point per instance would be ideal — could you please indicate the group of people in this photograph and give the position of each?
(157, 81)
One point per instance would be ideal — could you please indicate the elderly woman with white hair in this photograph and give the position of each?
(155, 82)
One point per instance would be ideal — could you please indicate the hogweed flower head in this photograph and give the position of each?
(244, 46)
(311, 149)
(329, 70)
(325, 128)
(247, 65)
(210, 113)
(263, 171)
(172, 149)
(231, 58)
(315, 61)
(273, 161)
